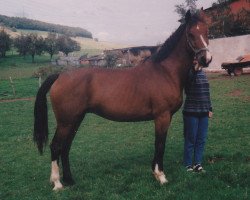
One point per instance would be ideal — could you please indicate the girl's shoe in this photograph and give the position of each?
(198, 168)
(189, 168)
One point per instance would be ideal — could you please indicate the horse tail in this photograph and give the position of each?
(40, 134)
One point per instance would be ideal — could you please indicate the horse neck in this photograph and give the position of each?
(179, 63)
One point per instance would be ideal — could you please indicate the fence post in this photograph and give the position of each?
(40, 80)
(13, 87)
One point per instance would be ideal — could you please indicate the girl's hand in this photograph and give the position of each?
(210, 114)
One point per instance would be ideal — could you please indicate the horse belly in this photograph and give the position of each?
(122, 115)
(119, 105)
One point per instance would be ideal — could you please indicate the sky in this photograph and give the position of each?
(130, 22)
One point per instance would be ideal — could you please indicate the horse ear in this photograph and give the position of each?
(187, 16)
(204, 15)
(202, 12)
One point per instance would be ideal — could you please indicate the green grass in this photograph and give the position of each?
(23, 88)
(21, 70)
(16, 66)
(112, 160)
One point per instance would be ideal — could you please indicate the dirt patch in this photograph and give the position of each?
(20, 99)
(239, 93)
(247, 98)
(212, 160)
(235, 93)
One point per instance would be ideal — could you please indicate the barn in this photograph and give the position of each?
(133, 55)
(123, 57)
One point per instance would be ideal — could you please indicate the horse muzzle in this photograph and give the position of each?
(205, 59)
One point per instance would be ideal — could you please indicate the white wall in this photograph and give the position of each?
(227, 49)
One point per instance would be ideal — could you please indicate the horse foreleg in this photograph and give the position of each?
(161, 127)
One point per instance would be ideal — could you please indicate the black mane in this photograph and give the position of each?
(169, 44)
(172, 41)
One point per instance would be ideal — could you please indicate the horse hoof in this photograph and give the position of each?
(58, 186)
(68, 181)
(161, 178)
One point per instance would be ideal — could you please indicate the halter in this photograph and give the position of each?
(196, 51)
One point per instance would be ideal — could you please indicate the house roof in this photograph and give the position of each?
(134, 48)
(97, 57)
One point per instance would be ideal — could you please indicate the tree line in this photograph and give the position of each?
(32, 44)
(224, 22)
(24, 23)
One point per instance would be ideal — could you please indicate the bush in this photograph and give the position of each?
(46, 71)
(111, 60)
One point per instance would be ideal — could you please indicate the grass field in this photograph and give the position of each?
(112, 160)
(17, 67)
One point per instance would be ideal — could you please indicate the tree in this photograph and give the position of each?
(51, 44)
(67, 45)
(5, 43)
(225, 22)
(35, 45)
(29, 24)
(22, 45)
(219, 2)
(181, 9)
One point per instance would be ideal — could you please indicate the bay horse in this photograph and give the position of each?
(153, 90)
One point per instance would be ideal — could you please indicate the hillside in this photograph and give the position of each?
(88, 45)
(30, 24)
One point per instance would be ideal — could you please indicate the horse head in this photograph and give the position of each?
(197, 37)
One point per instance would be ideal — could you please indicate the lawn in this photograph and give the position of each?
(17, 67)
(112, 160)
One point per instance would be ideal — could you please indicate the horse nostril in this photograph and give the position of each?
(203, 61)
(209, 60)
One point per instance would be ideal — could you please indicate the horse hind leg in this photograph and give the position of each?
(56, 147)
(67, 176)
(60, 147)
(55, 176)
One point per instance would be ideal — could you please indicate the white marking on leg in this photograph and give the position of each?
(159, 175)
(55, 176)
